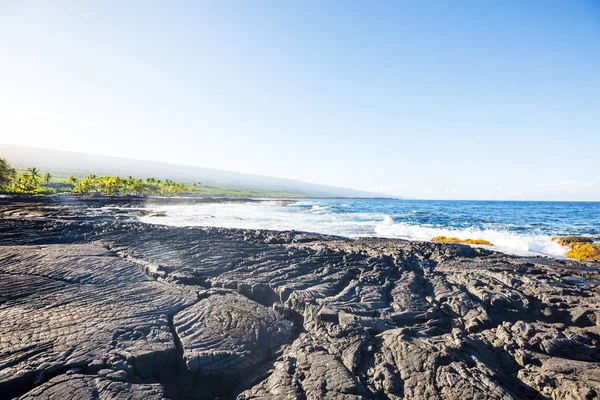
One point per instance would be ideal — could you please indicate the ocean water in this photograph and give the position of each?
(516, 227)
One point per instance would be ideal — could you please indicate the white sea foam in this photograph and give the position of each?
(311, 217)
(503, 240)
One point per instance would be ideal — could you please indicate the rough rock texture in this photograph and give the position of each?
(117, 308)
(79, 306)
(226, 333)
(79, 386)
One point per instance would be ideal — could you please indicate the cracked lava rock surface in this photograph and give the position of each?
(96, 305)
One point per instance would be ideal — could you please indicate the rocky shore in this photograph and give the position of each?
(94, 304)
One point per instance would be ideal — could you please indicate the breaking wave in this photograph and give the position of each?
(503, 240)
(523, 228)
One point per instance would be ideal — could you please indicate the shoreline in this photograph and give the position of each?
(278, 218)
(142, 208)
(95, 300)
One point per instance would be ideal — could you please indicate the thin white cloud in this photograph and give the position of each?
(509, 191)
(20, 111)
(573, 184)
(384, 189)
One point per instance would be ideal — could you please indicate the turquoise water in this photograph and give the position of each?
(513, 226)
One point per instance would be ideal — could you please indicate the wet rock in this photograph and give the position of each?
(570, 240)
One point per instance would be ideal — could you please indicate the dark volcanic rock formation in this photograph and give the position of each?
(104, 308)
(226, 333)
(79, 306)
(79, 386)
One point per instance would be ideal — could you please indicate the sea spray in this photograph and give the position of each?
(523, 228)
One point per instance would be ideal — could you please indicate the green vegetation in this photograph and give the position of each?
(229, 191)
(7, 174)
(33, 181)
(26, 184)
(115, 185)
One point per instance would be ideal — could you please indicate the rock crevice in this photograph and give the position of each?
(122, 309)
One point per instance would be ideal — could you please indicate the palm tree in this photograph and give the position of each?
(33, 172)
(27, 183)
(47, 177)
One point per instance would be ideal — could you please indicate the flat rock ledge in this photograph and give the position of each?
(105, 308)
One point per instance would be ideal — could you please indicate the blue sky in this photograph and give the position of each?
(460, 99)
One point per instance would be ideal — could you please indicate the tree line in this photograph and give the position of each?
(32, 180)
(115, 185)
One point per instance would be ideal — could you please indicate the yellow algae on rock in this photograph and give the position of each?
(445, 239)
(582, 248)
(584, 251)
(479, 241)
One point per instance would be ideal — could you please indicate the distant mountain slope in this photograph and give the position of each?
(57, 161)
